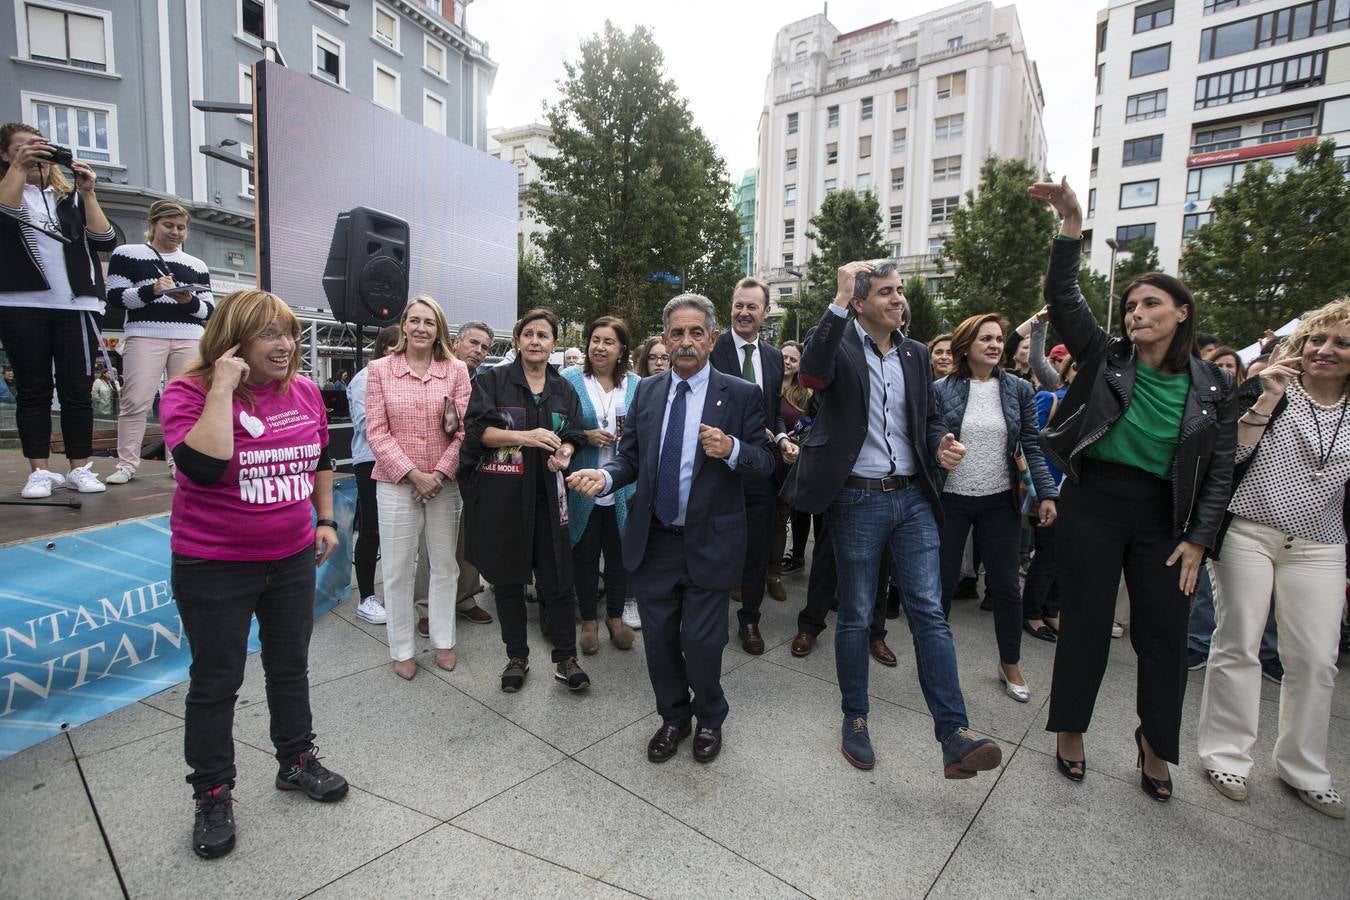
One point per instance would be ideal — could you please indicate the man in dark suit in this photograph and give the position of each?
(690, 439)
(871, 465)
(742, 354)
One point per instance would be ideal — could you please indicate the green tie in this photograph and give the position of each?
(748, 367)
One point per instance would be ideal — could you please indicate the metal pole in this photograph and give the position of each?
(1111, 289)
(314, 350)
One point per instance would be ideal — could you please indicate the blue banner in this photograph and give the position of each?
(88, 623)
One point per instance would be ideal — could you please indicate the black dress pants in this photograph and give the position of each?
(760, 509)
(554, 591)
(1119, 518)
(368, 529)
(36, 341)
(1040, 594)
(821, 584)
(998, 536)
(601, 536)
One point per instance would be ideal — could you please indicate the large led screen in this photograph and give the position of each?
(323, 151)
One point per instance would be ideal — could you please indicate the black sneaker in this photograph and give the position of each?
(307, 774)
(513, 676)
(213, 831)
(967, 589)
(793, 564)
(1272, 670)
(570, 674)
(1195, 660)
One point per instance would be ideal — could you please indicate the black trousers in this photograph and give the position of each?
(1114, 518)
(36, 340)
(821, 584)
(601, 536)
(557, 603)
(760, 509)
(367, 529)
(684, 631)
(1040, 593)
(998, 540)
(216, 601)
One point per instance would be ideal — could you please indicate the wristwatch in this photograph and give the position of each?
(331, 523)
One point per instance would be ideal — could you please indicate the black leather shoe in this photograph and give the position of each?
(751, 640)
(707, 743)
(666, 741)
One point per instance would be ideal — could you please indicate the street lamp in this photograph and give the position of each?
(1111, 286)
(797, 302)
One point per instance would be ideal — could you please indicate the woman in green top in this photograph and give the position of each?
(1145, 437)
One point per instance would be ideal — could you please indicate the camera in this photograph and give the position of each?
(62, 156)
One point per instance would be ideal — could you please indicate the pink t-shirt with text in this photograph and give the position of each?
(260, 508)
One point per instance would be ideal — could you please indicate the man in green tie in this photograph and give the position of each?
(743, 352)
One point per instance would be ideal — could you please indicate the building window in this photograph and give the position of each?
(1203, 184)
(941, 209)
(68, 36)
(433, 111)
(433, 57)
(787, 260)
(799, 52)
(1263, 79)
(865, 146)
(935, 246)
(328, 58)
(792, 123)
(1293, 23)
(1101, 74)
(1191, 221)
(1135, 194)
(898, 140)
(1097, 122)
(247, 182)
(902, 100)
(831, 154)
(386, 91)
(1092, 202)
(790, 195)
(385, 28)
(953, 85)
(789, 229)
(1149, 16)
(88, 129)
(1143, 150)
(790, 160)
(1128, 234)
(865, 109)
(954, 43)
(949, 126)
(1213, 6)
(1217, 139)
(1288, 128)
(1093, 172)
(831, 185)
(864, 184)
(832, 117)
(897, 179)
(897, 218)
(1101, 38)
(1150, 60)
(947, 168)
(252, 19)
(246, 88)
(1150, 105)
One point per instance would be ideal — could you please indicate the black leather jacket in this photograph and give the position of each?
(1202, 467)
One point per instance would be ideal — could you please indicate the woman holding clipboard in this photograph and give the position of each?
(164, 324)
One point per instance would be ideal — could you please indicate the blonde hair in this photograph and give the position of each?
(236, 320)
(1334, 314)
(163, 209)
(440, 347)
(56, 179)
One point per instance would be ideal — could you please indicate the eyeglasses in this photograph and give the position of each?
(268, 336)
(665, 358)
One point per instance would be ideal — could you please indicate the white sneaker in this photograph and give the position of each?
(630, 615)
(84, 480)
(120, 475)
(40, 483)
(372, 610)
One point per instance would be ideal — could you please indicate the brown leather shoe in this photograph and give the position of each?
(775, 589)
(882, 654)
(751, 640)
(803, 644)
(476, 614)
(424, 627)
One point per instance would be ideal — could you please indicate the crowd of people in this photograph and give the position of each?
(1120, 481)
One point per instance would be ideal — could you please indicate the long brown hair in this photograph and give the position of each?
(56, 179)
(620, 329)
(963, 338)
(238, 319)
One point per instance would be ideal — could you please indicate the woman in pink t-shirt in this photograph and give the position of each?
(416, 398)
(250, 438)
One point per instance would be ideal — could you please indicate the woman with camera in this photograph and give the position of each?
(162, 329)
(51, 289)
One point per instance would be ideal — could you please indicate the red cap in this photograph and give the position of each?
(1058, 352)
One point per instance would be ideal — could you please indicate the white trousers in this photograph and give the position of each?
(403, 520)
(144, 361)
(1309, 578)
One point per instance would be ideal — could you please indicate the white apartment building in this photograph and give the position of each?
(518, 145)
(1189, 92)
(905, 109)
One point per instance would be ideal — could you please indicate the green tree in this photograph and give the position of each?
(847, 228)
(532, 288)
(1278, 246)
(1094, 286)
(999, 242)
(925, 322)
(635, 188)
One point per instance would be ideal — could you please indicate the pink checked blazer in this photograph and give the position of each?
(403, 417)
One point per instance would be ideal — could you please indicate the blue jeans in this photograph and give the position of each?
(1201, 625)
(866, 524)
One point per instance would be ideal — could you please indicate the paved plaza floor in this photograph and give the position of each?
(461, 790)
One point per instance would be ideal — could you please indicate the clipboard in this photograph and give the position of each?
(178, 289)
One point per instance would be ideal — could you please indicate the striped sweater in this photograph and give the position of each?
(132, 272)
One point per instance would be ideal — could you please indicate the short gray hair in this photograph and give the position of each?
(862, 284)
(473, 324)
(690, 301)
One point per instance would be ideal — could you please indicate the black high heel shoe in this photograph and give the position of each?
(1152, 786)
(1067, 766)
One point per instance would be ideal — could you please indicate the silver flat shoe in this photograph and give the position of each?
(1019, 692)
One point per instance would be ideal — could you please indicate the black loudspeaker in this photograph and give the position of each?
(366, 275)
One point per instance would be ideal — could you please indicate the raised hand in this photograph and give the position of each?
(1058, 195)
(229, 370)
(1275, 378)
(587, 482)
(847, 278)
(950, 452)
(85, 179)
(715, 441)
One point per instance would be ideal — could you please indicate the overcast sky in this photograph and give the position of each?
(717, 52)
